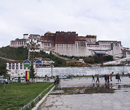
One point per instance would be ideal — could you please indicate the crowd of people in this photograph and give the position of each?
(107, 78)
(95, 78)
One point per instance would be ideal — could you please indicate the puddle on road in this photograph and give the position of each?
(94, 88)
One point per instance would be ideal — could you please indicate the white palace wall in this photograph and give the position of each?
(117, 52)
(82, 49)
(72, 49)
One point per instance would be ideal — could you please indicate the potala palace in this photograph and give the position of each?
(70, 44)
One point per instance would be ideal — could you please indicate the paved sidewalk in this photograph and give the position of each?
(119, 100)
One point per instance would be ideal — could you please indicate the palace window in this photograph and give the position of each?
(9, 65)
(13, 66)
(17, 66)
(21, 65)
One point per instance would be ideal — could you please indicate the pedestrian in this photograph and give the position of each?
(111, 77)
(57, 80)
(97, 79)
(111, 85)
(93, 78)
(118, 77)
(105, 77)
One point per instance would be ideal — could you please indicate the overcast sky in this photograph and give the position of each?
(108, 19)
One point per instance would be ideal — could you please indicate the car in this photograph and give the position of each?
(62, 76)
(69, 77)
(16, 78)
(2, 80)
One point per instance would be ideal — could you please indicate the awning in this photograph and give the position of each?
(100, 52)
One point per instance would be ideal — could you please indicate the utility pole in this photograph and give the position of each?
(32, 45)
(52, 65)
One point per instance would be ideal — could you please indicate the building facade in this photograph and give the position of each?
(18, 43)
(16, 69)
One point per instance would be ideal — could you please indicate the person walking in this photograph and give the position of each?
(93, 78)
(110, 77)
(57, 81)
(97, 79)
(119, 79)
(105, 77)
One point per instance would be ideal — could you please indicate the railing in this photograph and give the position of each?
(35, 100)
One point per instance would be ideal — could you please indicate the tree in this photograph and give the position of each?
(3, 70)
(108, 58)
(96, 59)
(32, 75)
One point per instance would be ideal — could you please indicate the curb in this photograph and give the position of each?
(40, 102)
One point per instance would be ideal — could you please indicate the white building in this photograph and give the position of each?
(18, 43)
(16, 69)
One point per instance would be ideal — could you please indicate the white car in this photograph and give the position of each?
(62, 77)
(2, 80)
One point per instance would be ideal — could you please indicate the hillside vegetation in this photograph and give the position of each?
(21, 53)
(2, 67)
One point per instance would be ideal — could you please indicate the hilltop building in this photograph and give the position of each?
(18, 43)
(70, 44)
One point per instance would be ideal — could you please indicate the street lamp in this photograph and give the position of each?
(52, 65)
(32, 45)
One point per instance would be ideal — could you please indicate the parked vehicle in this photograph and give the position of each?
(2, 80)
(69, 77)
(62, 76)
(16, 78)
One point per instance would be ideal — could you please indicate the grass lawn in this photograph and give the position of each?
(16, 95)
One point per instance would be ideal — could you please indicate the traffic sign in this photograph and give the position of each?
(26, 63)
(38, 63)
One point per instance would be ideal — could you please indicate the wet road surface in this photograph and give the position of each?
(83, 94)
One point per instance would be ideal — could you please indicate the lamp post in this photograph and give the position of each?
(32, 45)
(52, 65)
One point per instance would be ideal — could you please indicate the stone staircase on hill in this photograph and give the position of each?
(7, 59)
(57, 55)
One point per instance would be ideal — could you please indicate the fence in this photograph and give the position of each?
(35, 100)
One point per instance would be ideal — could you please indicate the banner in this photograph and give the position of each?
(27, 75)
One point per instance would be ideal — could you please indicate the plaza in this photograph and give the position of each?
(101, 96)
